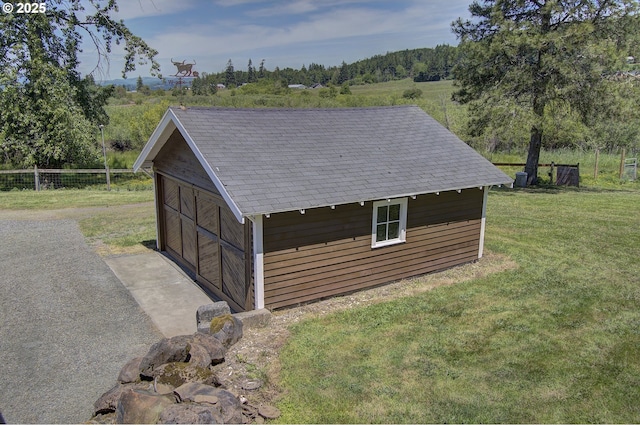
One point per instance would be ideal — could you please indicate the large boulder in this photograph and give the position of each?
(166, 350)
(199, 350)
(227, 406)
(176, 374)
(191, 414)
(206, 313)
(131, 371)
(141, 407)
(108, 401)
(214, 347)
(227, 329)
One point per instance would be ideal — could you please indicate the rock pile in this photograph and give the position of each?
(176, 381)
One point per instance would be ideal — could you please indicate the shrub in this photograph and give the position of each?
(413, 93)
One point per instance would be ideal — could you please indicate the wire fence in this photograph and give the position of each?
(50, 179)
(630, 171)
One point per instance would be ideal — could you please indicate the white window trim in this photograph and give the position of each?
(402, 236)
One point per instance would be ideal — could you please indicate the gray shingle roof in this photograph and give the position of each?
(274, 160)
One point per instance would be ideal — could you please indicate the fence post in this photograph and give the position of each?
(622, 156)
(36, 178)
(106, 171)
(595, 168)
(551, 173)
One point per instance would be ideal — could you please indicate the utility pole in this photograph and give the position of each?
(104, 155)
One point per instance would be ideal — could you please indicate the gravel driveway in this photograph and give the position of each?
(67, 323)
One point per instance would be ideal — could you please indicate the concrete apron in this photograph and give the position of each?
(165, 292)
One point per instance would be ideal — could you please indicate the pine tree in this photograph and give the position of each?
(528, 54)
(230, 75)
(251, 77)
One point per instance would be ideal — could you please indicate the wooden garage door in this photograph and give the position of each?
(199, 231)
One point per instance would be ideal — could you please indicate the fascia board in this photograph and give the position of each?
(157, 140)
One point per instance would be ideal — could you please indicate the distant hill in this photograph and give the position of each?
(424, 64)
(153, 83)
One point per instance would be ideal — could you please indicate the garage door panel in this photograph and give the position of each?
(231, 230)
(170, 194)
(233, 274)
(189, 251)
(209, 260)
(203, 235)
(207, 213)
(173, 230)
(187, 201)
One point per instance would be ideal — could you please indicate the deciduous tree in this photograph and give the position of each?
(49, 113)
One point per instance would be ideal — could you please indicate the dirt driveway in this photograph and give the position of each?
(68, 323)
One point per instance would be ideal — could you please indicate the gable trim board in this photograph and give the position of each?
(268, 164)
(161, 134)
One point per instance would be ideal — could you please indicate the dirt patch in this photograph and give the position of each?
(255, 356)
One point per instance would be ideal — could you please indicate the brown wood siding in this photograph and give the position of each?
(328, 252)
(192, 236)
(177, 160)
(198, 229)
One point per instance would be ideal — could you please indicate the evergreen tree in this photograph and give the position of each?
(525, 55)
(261, 70)
(343, 76)
(251, 77)
(139, 84)
(230, 75)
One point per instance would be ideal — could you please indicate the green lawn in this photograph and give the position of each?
(71, 198)
(555, 340)
(115, 222)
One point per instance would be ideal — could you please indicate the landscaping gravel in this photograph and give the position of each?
(68, 325)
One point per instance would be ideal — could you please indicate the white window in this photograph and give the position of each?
(389, 222)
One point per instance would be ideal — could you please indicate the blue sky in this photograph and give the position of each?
(285, 33)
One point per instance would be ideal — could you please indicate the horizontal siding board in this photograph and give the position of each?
(331, 266)
(346, 251)
(327, 252)
(436, 263)
(337, 288)
(292, 229)
(363, 265)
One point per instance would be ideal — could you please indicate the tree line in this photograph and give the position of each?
(425, 64)
(547, 72)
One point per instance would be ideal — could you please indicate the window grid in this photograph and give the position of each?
(389, 224)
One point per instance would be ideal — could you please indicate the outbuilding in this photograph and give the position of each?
(269, 208)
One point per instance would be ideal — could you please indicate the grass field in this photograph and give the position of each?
(556, 340)
(116, 222)
(71, 198)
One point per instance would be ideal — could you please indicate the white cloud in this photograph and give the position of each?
(229, 37)
(324, 32)
(132, 9)
(296, 7)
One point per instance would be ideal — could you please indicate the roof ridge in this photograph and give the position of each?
(340, 108)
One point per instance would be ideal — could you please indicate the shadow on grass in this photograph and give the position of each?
(150, 244)
(549, 189)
